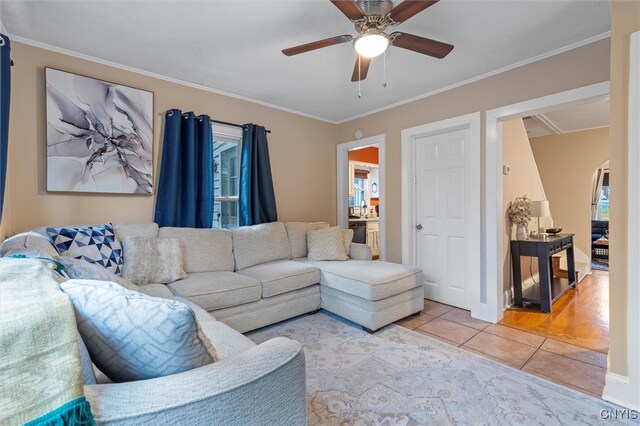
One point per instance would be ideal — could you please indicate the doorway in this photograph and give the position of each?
(600, 192)
(361, 191)
(492, 306)
(551, 157)
(440, 205)
(495, 224)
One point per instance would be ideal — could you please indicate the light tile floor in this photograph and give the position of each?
(563, 363)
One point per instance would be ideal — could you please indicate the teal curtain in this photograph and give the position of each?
(185, 190)
(257, 198)
(5, 94)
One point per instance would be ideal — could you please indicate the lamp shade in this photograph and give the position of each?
(540, 208)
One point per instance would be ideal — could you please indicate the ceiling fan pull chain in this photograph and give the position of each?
(359, 79)
(384, 69)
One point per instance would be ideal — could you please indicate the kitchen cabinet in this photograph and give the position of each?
(373, 227)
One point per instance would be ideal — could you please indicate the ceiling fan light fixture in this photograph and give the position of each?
(371, 43)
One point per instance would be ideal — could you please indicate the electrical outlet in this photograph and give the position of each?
(506, 169)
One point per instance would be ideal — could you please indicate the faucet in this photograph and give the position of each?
(363, 207)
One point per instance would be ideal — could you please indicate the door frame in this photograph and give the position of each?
(625, 390)
(408, 137)
(342, 182)
(492, 305)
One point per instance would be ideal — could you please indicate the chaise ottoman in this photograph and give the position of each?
(372, 294)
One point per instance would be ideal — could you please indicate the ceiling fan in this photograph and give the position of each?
(371, 18)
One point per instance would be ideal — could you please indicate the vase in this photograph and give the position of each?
(521, 232)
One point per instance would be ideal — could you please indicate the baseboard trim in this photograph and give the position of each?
(508, 298)
(618, 389)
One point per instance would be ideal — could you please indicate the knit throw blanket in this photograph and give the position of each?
(40, 367)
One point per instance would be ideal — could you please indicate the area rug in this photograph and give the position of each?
(401, 377)
(600, 264)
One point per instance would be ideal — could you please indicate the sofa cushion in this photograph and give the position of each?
(201, 315)
(368, 280)
(136, 230)
(217, 290)
(95, 244)
(83, 270)
(282, 276)
(227, 341)
(152, 260)
(88, 375)
(327, 244)
(347, 238)
(131, 336)
(156, 290)
(203, 250)
(297, 234)
(30, 244)
(253, 245)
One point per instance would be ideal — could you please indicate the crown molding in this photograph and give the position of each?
(519, 64)
(90, 58)
(533, 59)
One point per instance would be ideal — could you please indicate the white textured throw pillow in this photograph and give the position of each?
(326, 244)
(131, 336)
(152, 260)
(347, 236)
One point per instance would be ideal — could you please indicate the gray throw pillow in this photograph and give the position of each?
(88, 375)
(30, 244)
(152, 260)
(83, 270)
(131, 336)
(326, 244)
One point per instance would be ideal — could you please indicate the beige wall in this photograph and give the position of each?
(576, 68)
(625, 19)
(523, 180)
(566, 164)
(302, 149)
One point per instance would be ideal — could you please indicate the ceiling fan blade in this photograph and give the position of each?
(317, 45)
(360, 73)
(426, 46)
(350, 9)
(408, 9)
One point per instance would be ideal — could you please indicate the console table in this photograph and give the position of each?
(550, 288)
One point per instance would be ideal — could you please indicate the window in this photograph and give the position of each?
(359, 185)
(602, 211)
(227, 142)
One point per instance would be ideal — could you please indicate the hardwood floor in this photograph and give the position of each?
(580, 317)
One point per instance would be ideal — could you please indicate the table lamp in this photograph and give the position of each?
(540, 209)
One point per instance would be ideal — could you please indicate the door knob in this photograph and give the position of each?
(418, 227)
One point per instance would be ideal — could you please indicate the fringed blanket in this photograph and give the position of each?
(40, 368)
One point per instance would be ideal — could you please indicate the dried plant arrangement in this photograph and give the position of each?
(519, 211)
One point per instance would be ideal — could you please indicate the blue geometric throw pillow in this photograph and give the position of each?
(95, 244)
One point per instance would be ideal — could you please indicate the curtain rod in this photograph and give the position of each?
(233, 124)
(170, 113)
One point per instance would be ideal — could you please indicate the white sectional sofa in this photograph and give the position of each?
(254, 276)
(238, 281)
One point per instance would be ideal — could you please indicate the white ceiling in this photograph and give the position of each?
(235, 46)
(569, 119)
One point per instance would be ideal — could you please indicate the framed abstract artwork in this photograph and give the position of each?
(99, 135)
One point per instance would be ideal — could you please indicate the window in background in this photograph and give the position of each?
(602, 212)
(227, 143)
(358, 192)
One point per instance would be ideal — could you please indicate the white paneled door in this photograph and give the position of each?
(445, 236)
